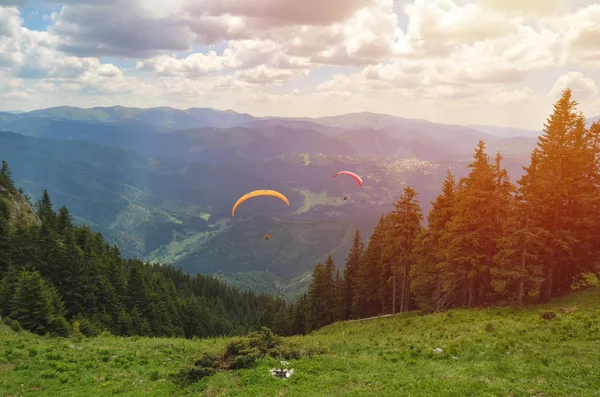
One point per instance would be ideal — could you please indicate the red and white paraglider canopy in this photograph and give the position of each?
(352, 174)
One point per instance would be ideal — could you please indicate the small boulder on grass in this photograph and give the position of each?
(281, 373)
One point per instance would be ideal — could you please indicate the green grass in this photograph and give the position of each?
(312, 200)
(306, 159)
(486, 352)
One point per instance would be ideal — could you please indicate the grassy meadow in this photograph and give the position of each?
(550, 350)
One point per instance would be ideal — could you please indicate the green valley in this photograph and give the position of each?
(170, 211)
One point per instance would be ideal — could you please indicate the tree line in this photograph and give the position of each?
(486, 240)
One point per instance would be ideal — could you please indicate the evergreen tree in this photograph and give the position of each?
(321, 295)
(34, 304)
(562, 193)
(427, 275)
(6, 178)
(329, 291)
(518, 261)
(4, 238)
(351, 273)
(339, 290)
(367, 299)
(301, 312)
(404, 227)
(472, 234)
(64, 223)
(45, 210)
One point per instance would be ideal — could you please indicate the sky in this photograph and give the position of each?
(492, 62)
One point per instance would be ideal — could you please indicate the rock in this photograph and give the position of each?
(281, 373)
(437, 350)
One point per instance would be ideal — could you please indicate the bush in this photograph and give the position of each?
(60, 327)
(87, 327)
(76, 333)
(243, 352)
(548, 315)
(15, 325)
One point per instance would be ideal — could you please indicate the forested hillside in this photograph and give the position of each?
(488, 241)
(55, 274)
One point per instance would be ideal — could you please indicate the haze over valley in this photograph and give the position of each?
(160, 182)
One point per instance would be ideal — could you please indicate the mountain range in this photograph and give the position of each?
(160, 182)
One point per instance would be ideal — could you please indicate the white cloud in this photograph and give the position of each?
(19, 95)
(454, 59)
(514, 97)
(582, 87)
(437, 27)
(582, 34)
(534, 8)
(193, 66)
(10, 83)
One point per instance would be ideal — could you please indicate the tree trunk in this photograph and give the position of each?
(394, 293)
(406, 287)
(546, 287)
(521, 292)
(471, 292)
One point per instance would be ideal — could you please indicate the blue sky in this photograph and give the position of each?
(498, 62)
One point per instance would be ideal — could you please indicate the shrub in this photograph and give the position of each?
(243, 352)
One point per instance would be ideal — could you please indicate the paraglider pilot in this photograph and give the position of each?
(267, 236)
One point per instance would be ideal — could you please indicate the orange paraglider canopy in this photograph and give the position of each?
(257, 193)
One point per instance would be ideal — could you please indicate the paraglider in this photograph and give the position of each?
(257, 193)
(352, 174)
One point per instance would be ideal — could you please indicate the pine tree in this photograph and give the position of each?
(321, 294)
(404, 227)
(427, 275)
(593, 232)
(4, 238)
(300, 324)
(45, 210)
(34, 303)
(562, 194)
(315, 304)
(339, 304)
(366, 300)
(351, 273)
(64, 223)
(6, 178)
(471, 236)
(329, 290)
(518, 261)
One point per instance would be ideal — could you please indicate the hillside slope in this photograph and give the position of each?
(172, 211)
(487, 352)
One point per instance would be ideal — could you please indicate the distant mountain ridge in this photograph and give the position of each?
(168, 118)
